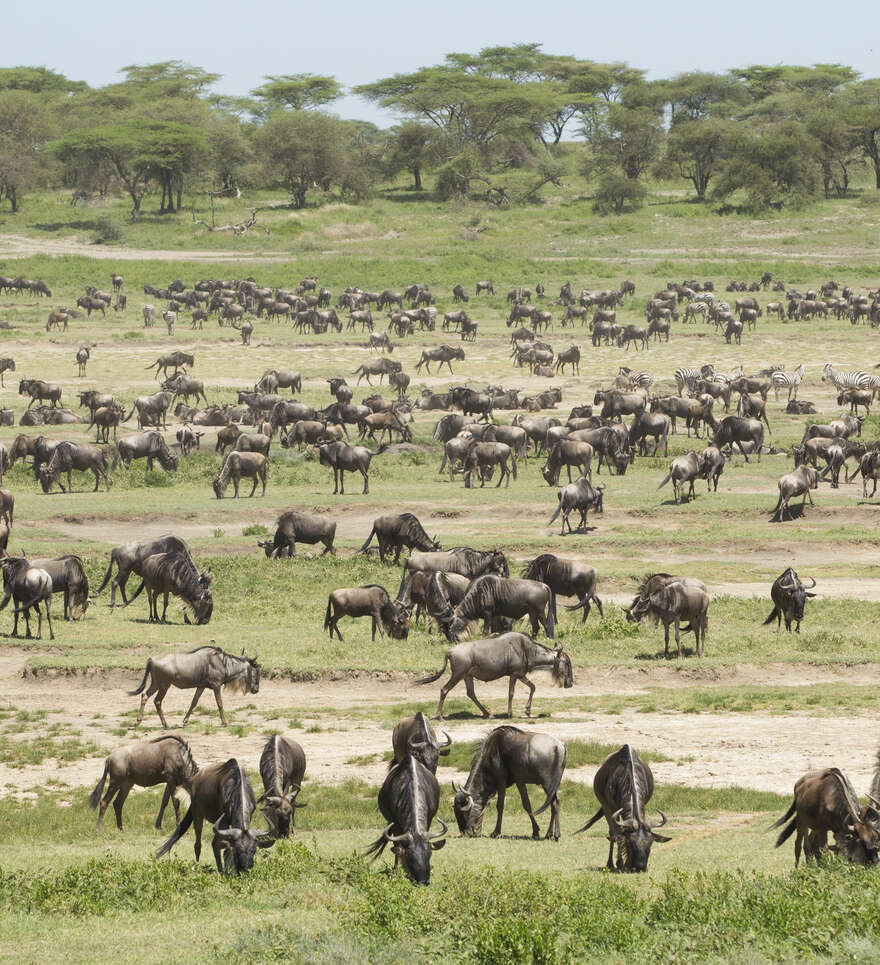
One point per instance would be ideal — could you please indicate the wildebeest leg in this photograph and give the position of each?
(164, 606)
(666, 640)
(510, 691)
(610, 864)
(197, 846)
(377, 621)
(120, 800)
(744, 452)
(69, 482)
(48, 617)
(341, 482)
(501, 792)
(166, 797)
(97, 479)
(219, 698)
(678, 637)
(531, 687)
(365, 474)
(160, 696)
(195, 700)
(235, 482)
(469, 687)
(254, 487)
(105, 803)
(527, 807)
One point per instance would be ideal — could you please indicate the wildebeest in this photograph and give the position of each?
(508, 655)
(68, 577)
(222, 794)
(205, 668)
(734, 431)
(6, 365)
(276, 379)
(490, 597)
(161, 760)
(38, 389)
(568, 453)
(408, 800)
(394, 531)
(624, 784)
(282, 766)
(444, 354)
(461, 559)
(343, 458)
(580, 495)
(643, 604)
(676, 602)
(684, 469)
(825, 801)
(28, 587)
(792, 484)
(146, 445)
(175, 573)
(250, 465)
(566, 578)
(172, 360)
(82, 358)
(69, 456)
(293, 527)
(506, 757)
(372, 601)
(482, 457)
(151, 409)
(415, 735)
(789, 596)
(129, 558)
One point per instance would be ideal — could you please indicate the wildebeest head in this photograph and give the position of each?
(468, 814)
(203, 607)
(46, 479)
(561, 670)
(278, 811)
(635, 839)
(499, 564)
(239, 847)
(860, 844)
(414, 851)
(398, 625)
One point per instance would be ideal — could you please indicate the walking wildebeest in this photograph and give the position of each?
(789, 596)
(490, 597)
(580, 495)
(624, 784)
(205, 668)
(792, 484)
(509, 655)
(238, 465)
(506, 757)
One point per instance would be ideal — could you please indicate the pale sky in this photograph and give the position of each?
(359, 42)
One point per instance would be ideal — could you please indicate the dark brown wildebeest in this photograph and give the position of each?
(415, 735)
(408, 800)
(205, 668)
(293, 527)
(825, 801)
(185, 387)
(568, 453)
(444, 354)
(282, 766)
(28, 587)
(146, 445)
(69, 456)
(734, 431)
(395, 531)
(222, 794)
(174, 573)
(580, 495)
(172, 360)
(372, 601)
(506, 757)
(461, 560)
(68, 576)
(381, 367)
(161, 760)
(789, 596)
(566, 578)
(6, 365)
(481, 459)
(105, 418)
(238, 465)
(38, 389)
(624, 784)
(689, 594)
(276, 379)
(129, 558)
(344, 458)
(509, 655)
(490, 597)
(152, 410)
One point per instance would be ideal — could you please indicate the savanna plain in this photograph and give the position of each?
(726, 734)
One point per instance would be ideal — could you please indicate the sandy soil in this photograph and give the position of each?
(753, 750)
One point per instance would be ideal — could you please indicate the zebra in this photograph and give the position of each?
(688, 377)
(856, 379)
(787, 380)
(644, 380)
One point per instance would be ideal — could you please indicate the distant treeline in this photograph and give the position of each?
(752, 138)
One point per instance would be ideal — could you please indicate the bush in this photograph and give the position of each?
(255, 529)
(617, 194)
(107, 231)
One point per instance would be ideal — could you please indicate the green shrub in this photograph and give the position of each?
(616, 194)
(107, 231)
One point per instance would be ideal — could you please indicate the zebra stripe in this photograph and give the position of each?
(688, 377)
(787, 380)
(856, 379)
(642, 379)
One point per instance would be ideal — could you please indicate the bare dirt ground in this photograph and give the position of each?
(767, 752)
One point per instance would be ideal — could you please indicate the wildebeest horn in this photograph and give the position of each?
(446, 743)
(228, 834)
(622, 824)
(439, 834)
(274, 800)
(812, 583)
(874, 801)
(654, 824)
(395, 837)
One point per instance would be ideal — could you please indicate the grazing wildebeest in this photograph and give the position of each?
(282, 766)
(7, 505)
(676, 602)
(642, 607)
(566, 578)
(624, 784)
(146, 445)
(185, 387)
(161, 760)
(490, 597)
(415, 735)
(568, 453)
(734, 430)
(792, 484)
(345, 458)
(175, 573)
(28, 587)
(439, 593)
(372, 601)
(129, 558)
(68, 576)
(825, 801)
(172, 360)
(509, 655)
(789, 596)
(461, 560)
(293, 527)
(408, 800)
(684, 469)
(69, 456)
(250, 465)
(481, 459)
(394, 531)
(506, 757)
(646, 424)
(38, 389)
(205, 668)
(222, 794)
(581, 496)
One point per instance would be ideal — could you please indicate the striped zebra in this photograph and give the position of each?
(688, 377)
(644, 380)
(856, 379)
(728, 377)
(787, 380)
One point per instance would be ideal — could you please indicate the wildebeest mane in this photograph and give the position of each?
(191, 765)
(474, 562)
(537, 569)
(413, 531)
(237, 795)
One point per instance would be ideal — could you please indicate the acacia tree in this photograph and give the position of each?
(296, 92)
(695, 150)
(411, 146)
(24, 129)
(862, 113)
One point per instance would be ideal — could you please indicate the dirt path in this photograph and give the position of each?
(709, 750)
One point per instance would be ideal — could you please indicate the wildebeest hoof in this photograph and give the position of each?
(495, 834)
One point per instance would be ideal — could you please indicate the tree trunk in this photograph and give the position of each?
(417, 177)
(179, 193)
(162, 202)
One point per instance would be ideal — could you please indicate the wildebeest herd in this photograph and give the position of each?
(456, 587)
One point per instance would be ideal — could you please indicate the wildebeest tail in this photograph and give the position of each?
(147, 672)
(179, 832)
(666, 480)
(95, 796)
(363, 549)
(130, 414)
(328, 613)
(558, 511)
(377, 847)
(786, 832)
(771, 618)
(591, 822)
(436, 676)
(549, 626)
(135, 595)
(27, 606)
(559, 766)
(106, 576)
